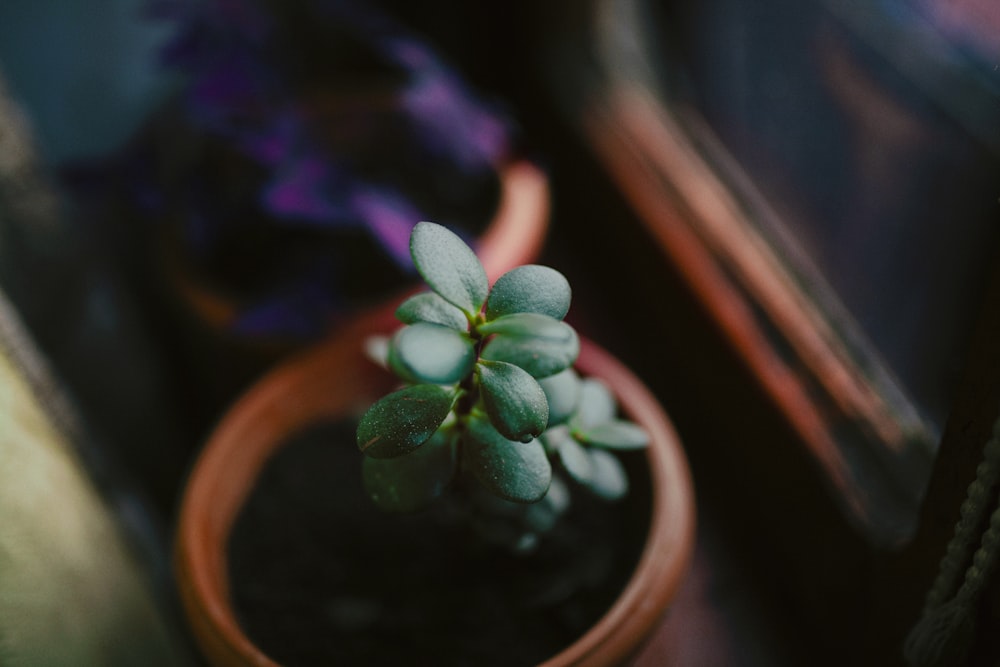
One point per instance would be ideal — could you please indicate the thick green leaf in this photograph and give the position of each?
(515, 471)
(530, 289)
(615, 434)
(430, 307)
(527, 324)
(576, 459)
(541, 356)
(513, 399)
(562, 391)
(597, 405)
(410, 482)
(542, 517)
(403, 420)
(431, 353)
(377, 349)
(608, 479)
(553, 437)
(449, 266)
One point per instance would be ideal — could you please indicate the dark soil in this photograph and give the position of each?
(320, 577)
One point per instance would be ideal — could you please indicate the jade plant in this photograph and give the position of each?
(490, 400)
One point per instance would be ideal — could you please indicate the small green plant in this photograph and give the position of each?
(491, 394)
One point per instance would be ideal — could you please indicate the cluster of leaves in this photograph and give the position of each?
(491, 393)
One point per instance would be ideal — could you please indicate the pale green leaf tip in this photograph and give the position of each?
(449, 266)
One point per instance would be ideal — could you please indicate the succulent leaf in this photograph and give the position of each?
(530, 289)
(576, 459)
(540, 355)
(527, 324)
(515, 471)
(432, 308)
(615, 434)
(410, 482)
(403, 420)
(562, 391)
(608, 479)
(377, 350)
(431, 353)
(597, 405)
(542, 516)
(513, 400)
(449, 267)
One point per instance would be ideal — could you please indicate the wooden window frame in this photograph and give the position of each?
(897, 479)
(770, 301)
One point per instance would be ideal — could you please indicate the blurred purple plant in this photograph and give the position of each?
(243, 88)
(257, 76)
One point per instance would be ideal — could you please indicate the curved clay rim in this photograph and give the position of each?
(514, 236)
(337, 379)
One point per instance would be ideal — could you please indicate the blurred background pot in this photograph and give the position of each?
(272, 196)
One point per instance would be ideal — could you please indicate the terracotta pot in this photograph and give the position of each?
(336, 379)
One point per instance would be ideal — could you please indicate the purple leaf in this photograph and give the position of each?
(390, 217)
(301, 191)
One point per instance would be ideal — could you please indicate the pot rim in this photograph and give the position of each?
(636, 612)
(239, 448)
